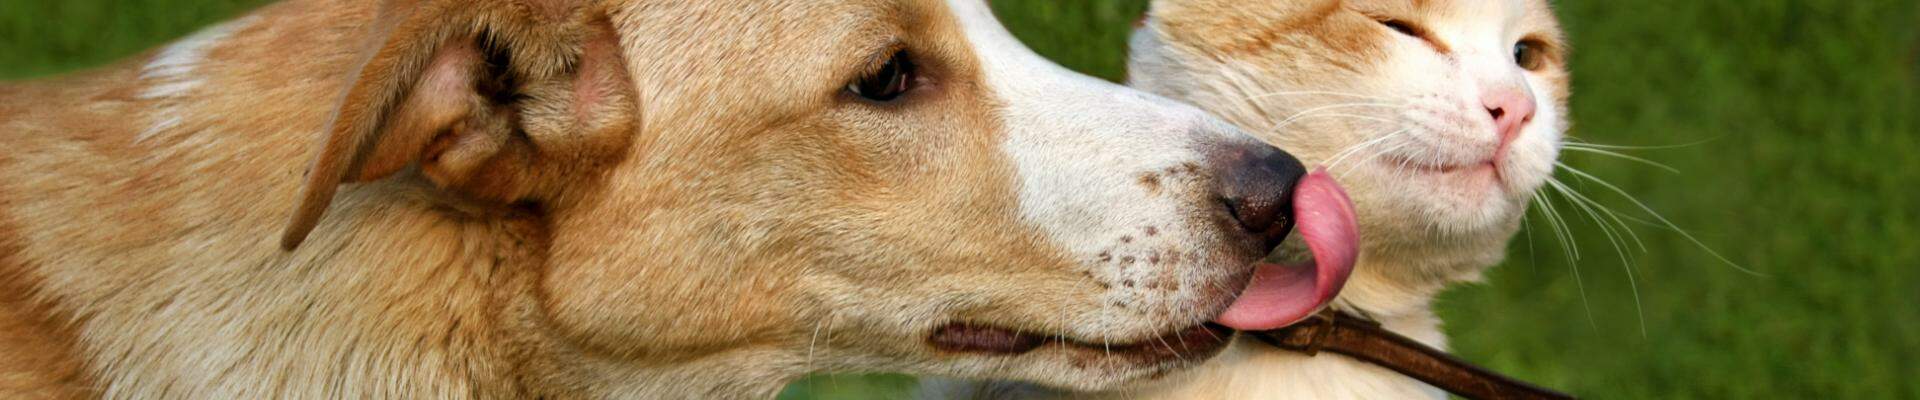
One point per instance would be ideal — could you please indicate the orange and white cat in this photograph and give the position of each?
(1441, 117)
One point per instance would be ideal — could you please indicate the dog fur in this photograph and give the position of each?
(589, 199)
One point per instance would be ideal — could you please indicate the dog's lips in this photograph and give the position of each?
(1197, 342)
(1280, 295)
(1276, 296)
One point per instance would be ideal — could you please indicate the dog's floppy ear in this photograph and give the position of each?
(468, 91)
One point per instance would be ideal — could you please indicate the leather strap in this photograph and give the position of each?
(1367, 341)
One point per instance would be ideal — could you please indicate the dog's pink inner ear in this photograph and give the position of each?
(602, 109)
(471, 113)
(601, 75)
(434, 110)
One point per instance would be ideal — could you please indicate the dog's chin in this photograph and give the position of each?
(1064, 362)
(1064, 357)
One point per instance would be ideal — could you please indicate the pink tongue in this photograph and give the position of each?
(1282, 295)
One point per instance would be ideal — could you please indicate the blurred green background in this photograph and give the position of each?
(1794, 125)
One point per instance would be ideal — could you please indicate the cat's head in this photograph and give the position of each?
(1442, 116)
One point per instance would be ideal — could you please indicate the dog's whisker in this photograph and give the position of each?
(1169, 346)
(813, 343)
(832, 315)
(1183, 341)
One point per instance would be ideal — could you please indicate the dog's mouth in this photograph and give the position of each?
(1276, 296)
(1284, 294)
(1193, 343)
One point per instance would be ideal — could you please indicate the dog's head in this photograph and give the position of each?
(892, 185)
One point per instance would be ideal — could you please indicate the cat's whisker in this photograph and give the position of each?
(1283, 125)
(1658, 217)
(1615, 215)
(1334, 162)
(1614, 237)
(1318, 93)
(1609, 153)
(1310, 112)
(1279, 128)
(1406, 163)
(1398, 170)
(1566, 247)
(1526, 228)
(1276, 128)
(1577, 142)
(1560, 228)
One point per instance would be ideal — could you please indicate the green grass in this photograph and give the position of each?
(1808, 115)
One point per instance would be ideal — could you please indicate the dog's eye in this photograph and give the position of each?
(1527, 55)
(887, 83)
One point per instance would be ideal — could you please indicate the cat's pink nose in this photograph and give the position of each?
(1511, 109)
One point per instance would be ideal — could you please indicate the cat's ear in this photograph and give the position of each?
(464, 91)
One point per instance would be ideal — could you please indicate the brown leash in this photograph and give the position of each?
(1365, 340)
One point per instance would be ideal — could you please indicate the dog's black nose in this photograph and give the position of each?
(1255, 183)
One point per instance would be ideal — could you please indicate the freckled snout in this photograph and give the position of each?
(1511, 109)
(1255, 184)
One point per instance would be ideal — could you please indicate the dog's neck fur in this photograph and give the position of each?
(192, 346)
(149, 279)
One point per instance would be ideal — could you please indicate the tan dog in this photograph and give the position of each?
(621, 198)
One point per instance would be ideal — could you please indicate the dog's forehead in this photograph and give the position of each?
(784, 49)
(791, 24)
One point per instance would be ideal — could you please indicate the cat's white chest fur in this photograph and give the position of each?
(1248, 370)
(1260, 371)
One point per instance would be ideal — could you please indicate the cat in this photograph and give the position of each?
(1441, 117)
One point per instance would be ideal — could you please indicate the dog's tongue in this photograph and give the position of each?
(1282, 295)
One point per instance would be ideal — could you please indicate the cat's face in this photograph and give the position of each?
(1442, 116)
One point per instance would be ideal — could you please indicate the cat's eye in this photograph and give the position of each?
(1400, 26)
(1527, 55)
(887, 83)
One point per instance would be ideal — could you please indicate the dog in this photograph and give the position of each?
(613, 199)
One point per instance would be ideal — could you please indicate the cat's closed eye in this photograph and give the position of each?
(1403, 27)
(1411, 30)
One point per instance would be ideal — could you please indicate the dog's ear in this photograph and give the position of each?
(478, 95)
